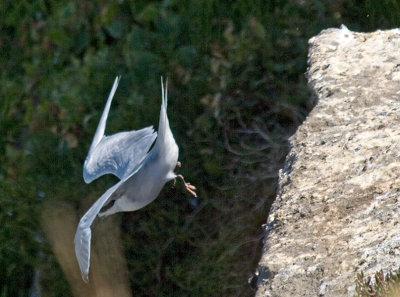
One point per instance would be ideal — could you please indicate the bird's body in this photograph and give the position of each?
(155, 167)
(142, 174)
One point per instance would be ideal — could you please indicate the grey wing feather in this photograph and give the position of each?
(118, 154)
(84, 234)
(102, 124)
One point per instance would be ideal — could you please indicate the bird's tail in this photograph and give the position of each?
(163, 126)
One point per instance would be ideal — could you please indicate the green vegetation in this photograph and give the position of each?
(237, 90)
(383, 285)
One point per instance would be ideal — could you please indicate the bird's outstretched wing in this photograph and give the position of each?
(84, 233)
(118, 154)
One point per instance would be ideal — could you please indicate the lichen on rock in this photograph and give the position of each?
(337, 211)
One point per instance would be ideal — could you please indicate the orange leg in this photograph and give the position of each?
(190, 188)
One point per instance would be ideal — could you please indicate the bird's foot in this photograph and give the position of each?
(190, 188)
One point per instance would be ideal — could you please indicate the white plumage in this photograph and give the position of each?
(142, 173)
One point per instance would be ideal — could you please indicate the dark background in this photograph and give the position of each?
(237, 90)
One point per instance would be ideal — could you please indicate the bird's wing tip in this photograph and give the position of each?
(85, 277)
(82, 248)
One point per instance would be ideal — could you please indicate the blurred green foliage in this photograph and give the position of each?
(237, 90)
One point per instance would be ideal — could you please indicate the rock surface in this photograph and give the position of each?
(337, 212)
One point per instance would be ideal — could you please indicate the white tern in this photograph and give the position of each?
(142, 173)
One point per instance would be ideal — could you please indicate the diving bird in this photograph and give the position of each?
(142, 173)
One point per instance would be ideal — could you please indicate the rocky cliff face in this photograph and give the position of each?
(338, 208)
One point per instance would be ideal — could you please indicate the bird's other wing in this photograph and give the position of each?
(118, 154)
(84, 233)
(102, 124)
